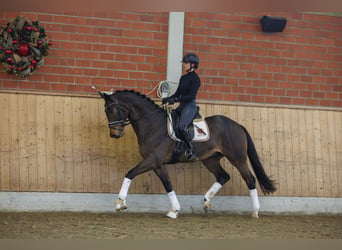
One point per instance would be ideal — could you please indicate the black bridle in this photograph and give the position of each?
(119, 124)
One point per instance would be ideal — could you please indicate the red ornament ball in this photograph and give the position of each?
(24, 50)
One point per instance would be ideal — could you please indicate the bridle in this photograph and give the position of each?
(119, 124)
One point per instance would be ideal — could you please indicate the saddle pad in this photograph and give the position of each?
(201, 131)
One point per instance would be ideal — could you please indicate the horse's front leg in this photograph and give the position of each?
(164, 177)
(120, 203)
(142, 167)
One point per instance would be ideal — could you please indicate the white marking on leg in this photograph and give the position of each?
(175, 207)
(212, 191)
(124, 188)
(255, 202)
(120, 203)
(209, 195)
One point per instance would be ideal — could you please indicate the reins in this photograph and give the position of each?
(126, 122)
(144, 116)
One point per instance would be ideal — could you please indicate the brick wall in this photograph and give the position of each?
(239, 63)
(300, 66)
(124, 50)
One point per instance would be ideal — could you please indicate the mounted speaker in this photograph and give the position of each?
(273, 24)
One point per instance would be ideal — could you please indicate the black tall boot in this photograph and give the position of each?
(189, 152)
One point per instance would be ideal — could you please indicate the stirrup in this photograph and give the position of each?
(190, 156)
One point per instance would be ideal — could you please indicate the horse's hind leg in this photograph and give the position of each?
(164, 177)
(213, 165)
(248, 177)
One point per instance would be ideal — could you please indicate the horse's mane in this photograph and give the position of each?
(139, 95)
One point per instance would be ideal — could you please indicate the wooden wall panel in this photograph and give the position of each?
(4, 142)
(62, 144)
(13, 133)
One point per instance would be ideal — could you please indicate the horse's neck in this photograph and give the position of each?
(146, 119)
(139, 112)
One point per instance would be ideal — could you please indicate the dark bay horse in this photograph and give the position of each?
(149, 121)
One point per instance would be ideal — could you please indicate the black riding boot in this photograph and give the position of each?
(189, 152)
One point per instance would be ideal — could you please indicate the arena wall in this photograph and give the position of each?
(53, 143)
(284, 87)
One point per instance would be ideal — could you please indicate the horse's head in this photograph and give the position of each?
(116, 115)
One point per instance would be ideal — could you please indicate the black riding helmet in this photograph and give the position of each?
(191, 58)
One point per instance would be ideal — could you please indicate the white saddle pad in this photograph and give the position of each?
(201, 131)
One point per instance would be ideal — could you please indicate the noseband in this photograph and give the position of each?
(121, 123)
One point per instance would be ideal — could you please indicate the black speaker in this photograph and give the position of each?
(273, 24)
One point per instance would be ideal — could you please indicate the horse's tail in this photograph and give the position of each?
(266, 184)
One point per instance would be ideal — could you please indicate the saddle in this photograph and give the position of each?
(198, 130)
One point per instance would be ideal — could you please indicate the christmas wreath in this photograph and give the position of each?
(23, 46)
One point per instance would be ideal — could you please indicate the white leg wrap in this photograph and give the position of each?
(174, 201)
(124, 188)
(255, 200)
(212, 191)
(173, 213)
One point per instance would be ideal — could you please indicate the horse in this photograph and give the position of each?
(149, 121)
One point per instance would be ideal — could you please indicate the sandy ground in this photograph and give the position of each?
(158, 226)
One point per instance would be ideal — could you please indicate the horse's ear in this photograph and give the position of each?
(102, 94)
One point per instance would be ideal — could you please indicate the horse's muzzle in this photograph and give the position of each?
(116, 132)
(115, 136)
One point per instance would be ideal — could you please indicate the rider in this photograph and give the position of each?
(186, 95)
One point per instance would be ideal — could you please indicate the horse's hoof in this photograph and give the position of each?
(120, 205)
(206, 207)
(255, 214)
(173, 214)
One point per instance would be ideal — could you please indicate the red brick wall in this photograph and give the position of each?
(121, 50)
(239, 63)
(300, 66)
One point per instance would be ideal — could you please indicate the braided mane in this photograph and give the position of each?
(139, 95)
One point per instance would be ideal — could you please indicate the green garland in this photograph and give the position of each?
(23, 46)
